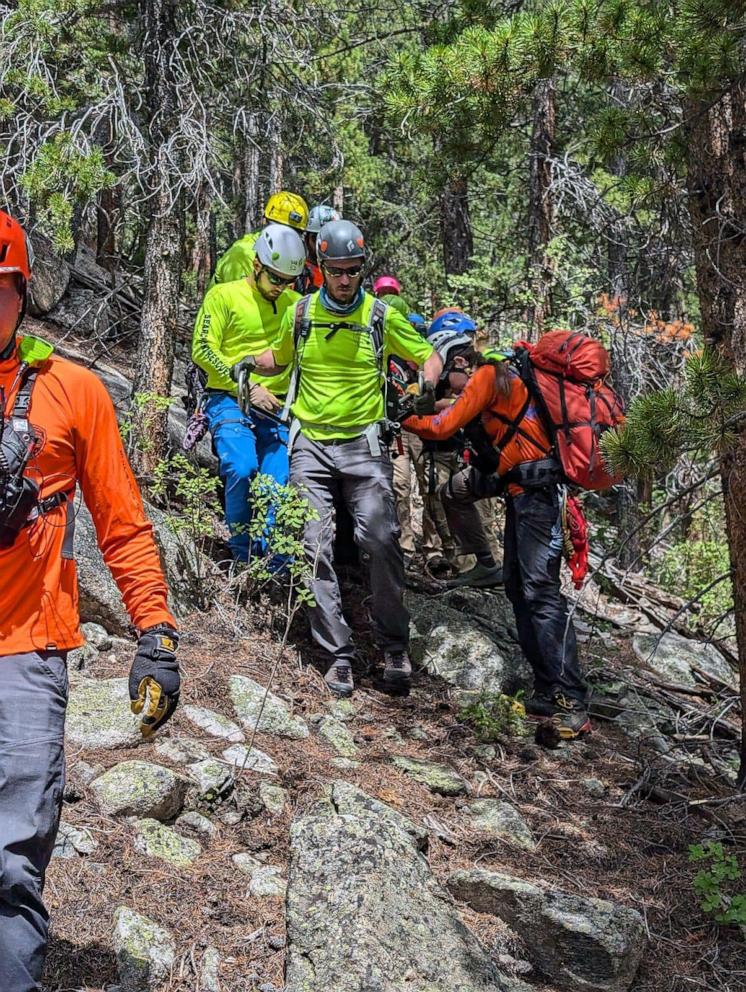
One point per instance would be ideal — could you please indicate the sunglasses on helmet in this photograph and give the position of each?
(334, 270)
(277, 280)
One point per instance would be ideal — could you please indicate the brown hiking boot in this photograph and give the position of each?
(397, 671)
(339, 678)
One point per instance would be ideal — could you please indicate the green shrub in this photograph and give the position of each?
(494, 715)
(717, 883)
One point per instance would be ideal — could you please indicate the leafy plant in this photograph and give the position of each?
(147, 406)
(493, 715)
(691, 566)
(716, 883)
(189, 496)
(279, 514)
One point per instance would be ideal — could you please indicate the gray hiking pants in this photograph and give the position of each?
(33, 698)
(363, 481)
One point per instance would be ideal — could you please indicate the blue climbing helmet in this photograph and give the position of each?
(418, 322)
(453, 320)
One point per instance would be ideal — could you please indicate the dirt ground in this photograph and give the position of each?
(621, 846)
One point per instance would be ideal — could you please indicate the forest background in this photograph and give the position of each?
(578, 163)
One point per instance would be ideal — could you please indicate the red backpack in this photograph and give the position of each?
(566, 373)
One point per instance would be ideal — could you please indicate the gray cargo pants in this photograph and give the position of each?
(33, 698)
(363, 481)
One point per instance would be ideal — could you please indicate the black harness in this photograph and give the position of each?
(19, 494)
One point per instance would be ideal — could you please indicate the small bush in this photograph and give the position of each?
(717, 883)
(495, 715)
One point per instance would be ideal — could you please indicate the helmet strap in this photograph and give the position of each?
(342, 308)
(9, 349)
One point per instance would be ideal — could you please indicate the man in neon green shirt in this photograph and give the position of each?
(236, 319)
(339, 452)
(284, 208)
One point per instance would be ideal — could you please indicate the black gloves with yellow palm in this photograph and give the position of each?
(417, 402)
(154, 677)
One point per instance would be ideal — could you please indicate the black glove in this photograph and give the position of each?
(154, 677)
(424, 404)
(247, 365)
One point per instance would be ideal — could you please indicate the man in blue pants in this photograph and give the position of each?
(238, 319)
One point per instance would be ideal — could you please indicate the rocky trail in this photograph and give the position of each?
(378, 844)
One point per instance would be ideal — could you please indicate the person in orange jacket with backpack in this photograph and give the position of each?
(58, 430)
(518, 461)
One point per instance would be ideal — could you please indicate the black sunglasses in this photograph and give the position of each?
(277, 280)
(333, 270)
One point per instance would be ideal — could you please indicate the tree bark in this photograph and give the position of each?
(201, 260)
(627, 496)
(163, 246)
(455, 226)
(717, 202)
(251, 198)
(541, 208)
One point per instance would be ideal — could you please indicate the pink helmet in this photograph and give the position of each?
(386, 284)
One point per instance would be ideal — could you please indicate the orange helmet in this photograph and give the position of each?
(15, 250)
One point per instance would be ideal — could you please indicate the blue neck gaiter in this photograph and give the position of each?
(341, 308)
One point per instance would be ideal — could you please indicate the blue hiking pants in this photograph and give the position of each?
(33, 698)
(244, 447)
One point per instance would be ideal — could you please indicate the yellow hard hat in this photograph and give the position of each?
(287, 208)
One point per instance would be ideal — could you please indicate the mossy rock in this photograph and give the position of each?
(158, 841)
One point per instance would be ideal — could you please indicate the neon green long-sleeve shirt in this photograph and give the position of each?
(237, 261)
(235, 320)
(340, 391)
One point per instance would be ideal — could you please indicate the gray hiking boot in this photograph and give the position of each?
(479, 577)
(397, 671)
(339, 678)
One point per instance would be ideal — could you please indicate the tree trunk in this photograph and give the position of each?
(163, 246)
(107, 208)
(201, 260)
(717, 203)
(541, 208)
(455, 226)
(251, 198)
(276, 156)
(628, 505)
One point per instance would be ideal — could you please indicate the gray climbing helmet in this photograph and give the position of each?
(321, 214)
(281, 249)
(448, 344)
(339, 240)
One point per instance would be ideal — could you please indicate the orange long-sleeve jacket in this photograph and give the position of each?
(482, 399)
(72, 414)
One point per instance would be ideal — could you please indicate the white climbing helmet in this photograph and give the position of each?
(281, 249)
(321, 214)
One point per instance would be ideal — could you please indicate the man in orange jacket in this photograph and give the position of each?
(516, 459)
(58, 430)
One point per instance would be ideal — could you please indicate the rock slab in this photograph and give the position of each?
(365, 913)
(145, 951)
(579, 943)
(349, 799)
(673, 657)
(99, 715)
(500, 821)
(158, 841)
(254, 705)
(139, 788)
(438, 778)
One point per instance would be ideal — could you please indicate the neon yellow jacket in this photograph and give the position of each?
(238, 261)
(340, 391)
(235, 320)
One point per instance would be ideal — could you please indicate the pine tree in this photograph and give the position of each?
(687, 60)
